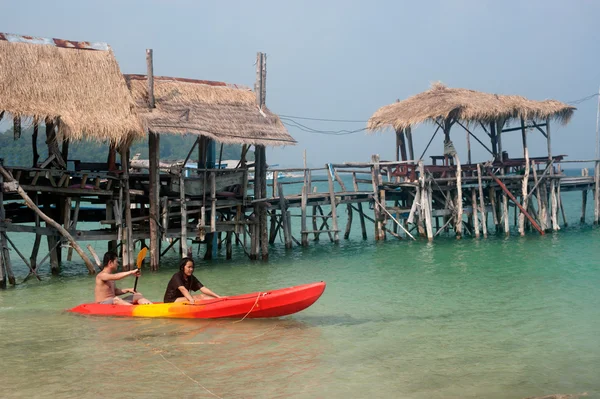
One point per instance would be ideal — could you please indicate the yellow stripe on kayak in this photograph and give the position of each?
(179, 310)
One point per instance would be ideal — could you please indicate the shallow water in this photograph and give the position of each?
(495, 318)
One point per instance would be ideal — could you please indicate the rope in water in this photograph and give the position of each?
(183, 372)
(252, 308)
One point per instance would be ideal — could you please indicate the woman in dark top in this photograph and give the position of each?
(184, 281)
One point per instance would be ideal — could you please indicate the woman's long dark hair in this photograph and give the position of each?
(184, 262)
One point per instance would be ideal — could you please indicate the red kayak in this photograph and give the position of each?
(276, 303)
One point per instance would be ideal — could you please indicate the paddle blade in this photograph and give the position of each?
(141, 256)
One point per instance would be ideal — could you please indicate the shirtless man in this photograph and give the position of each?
(106, 292)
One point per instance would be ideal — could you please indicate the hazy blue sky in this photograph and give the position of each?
(345, 59)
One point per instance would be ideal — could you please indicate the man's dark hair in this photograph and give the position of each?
(109, 257)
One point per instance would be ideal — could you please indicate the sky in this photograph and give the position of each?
(343, 60)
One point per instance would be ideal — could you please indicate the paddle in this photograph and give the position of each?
(140, 259)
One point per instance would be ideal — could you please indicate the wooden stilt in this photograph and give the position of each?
(597, 192)
(332, 201)
(541, 209)
(482, 203)
(303, 229)
(228, 247)
(525, 182)
(38, 237)
(287, 236)
(379, 232)
(459, 198)
(425, 203)
(560, 205)
(5, 264)
(361, 214)
(584, 172)
(314, 224)
(474, 212)
(183, 209)
(128, 243)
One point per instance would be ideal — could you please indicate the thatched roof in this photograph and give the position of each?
(225, 113)
(77, 83)
(441, 102)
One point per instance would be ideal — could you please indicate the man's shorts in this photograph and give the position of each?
(110, 301)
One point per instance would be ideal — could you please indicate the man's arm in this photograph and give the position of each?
(118, 276)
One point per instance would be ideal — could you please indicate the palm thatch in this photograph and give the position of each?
(468, 106)
(78, 84)
(225, 113)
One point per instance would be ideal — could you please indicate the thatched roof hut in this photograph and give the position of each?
(468, 106)
(78, 84)
(223, 112)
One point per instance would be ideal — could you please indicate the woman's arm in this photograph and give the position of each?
(186, 293)
(207, 291)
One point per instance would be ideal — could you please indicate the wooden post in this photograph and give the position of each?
(303, 228)
(584, 172)
(495, 209)
(285, 219)
(474, 212)
(361, 214)
(154, 171)
(494, 140)
(379, 233)
(34, 138)
(411, 152)
(459, 199)
(505, 216)
(213, 200)
(597, 192)
(260, 168)
(5, 264)
(128, 244)
(482, 203)
(332, 200)
(184, 217)
(425, 205)
(525, 182)
(541, 208)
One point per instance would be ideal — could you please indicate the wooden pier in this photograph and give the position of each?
(162, 205)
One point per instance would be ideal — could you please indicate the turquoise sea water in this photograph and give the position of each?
(495, 318)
